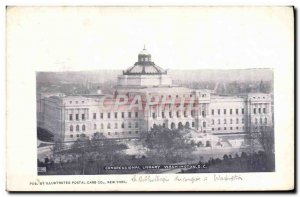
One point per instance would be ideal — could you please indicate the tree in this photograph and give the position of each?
(168, 144)
(266, 138)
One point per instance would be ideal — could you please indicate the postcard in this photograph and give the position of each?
(150, 98)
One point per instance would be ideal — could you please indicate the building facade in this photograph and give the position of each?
(145, 98)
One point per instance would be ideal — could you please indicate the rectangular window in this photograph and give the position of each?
(237, 111)
(177, 114)
(94, 116)
(77, 116)
(219, 111)
(116, 114)
(170, 114)
(82, 116)
(70, 116)
(101, 115)
(123, 114)
(203, 113)
(230, 111)
(108, 115)
(243, 111)
(163, 114)
(129, 114)
(264, 110)
(254, 110)
(136, 114)
(259, 110)
(192, 113)
(153, 115)
(224, 111)
(212, 112)
(193, 124)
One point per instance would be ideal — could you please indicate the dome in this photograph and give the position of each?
(144, 52)
(144, 66)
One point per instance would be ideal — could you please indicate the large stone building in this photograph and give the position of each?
(145, 98)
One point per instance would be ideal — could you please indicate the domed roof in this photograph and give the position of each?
(144, 52)
(150, 69)
(144, 66)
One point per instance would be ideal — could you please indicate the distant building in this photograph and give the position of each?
(209, 115)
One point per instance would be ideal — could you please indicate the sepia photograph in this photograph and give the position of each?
(146, 119)
(150, 98)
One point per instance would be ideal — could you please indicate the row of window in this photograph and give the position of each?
(111, 133)
(77, 127)
(225, 128)
(146, 59)
(109, 115)
(76, 102)
(180, 124)
(225, 111)
(261, 121)
(237, 121)
(178, 114)
(115, 115)
(108, 126)
(259, 110)
(163, 115)
(77, 117)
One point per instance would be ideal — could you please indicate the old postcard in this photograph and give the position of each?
(150, 98)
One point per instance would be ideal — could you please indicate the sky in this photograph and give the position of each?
(95, 38)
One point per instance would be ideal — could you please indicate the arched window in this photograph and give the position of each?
(77, 127)
(71, 128)
(95, 126)
(172, 125)
(116, 125)
(83, 127)
(108, 125)
(237, 121)
(102, 126)
(204, 124)
(266, 120)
